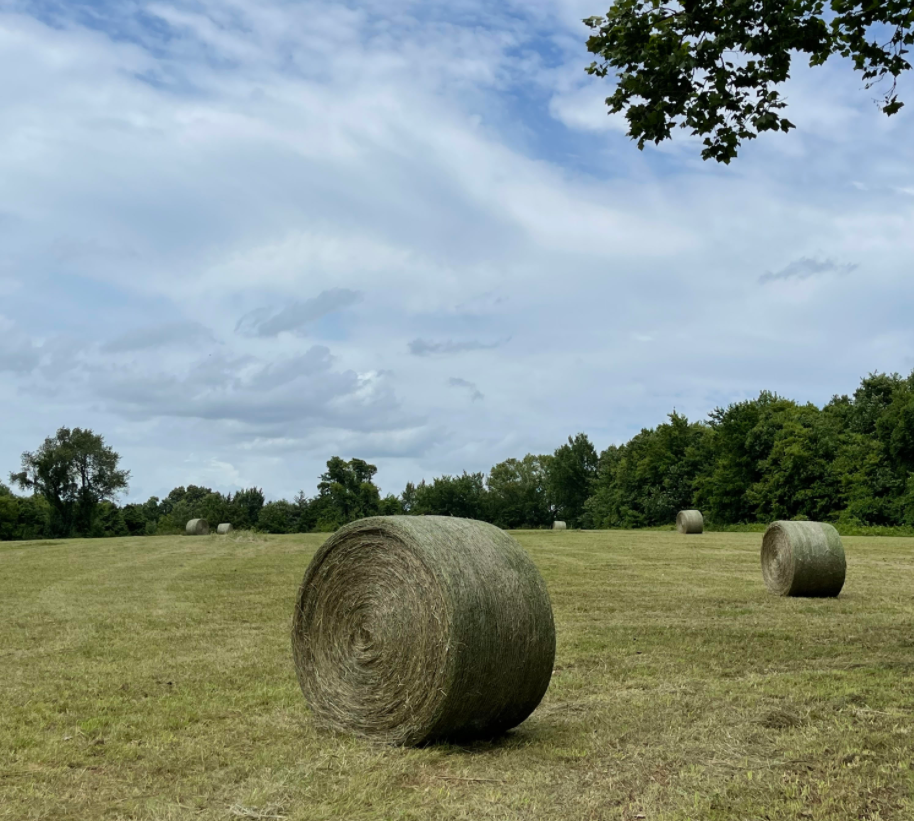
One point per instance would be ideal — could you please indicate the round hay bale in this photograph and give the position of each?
(224, 529)
(690, 521)
(197, 527)
(803, 559)
(559, 526)
(412, 629)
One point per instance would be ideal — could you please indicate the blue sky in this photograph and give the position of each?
(242, 237)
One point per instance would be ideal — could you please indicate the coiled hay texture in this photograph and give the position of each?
(803, 559)
(690, 521)
(559, 526)
(197, 527)
(224, 529)
(412, 629)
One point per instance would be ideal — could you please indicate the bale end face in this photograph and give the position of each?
(690, 521)
(411, 630)
(803, 559)
(197, 527)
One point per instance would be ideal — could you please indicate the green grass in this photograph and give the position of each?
(152, 679)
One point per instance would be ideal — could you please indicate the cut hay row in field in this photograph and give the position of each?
(153, 679)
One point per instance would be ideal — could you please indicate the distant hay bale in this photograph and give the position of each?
(690, 521)
(803, 559)
(197, 527)
(412, 629)
(224, 529)
(559, 526)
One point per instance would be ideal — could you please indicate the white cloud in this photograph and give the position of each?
(806, 267)
(257, 166)
(471, 387)
(297, 316)
(159, 336)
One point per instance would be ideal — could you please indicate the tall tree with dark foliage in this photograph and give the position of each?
(75, 471)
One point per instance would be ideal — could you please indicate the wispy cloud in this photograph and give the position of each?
(202, 158)
(425, 347)
(475, 393)
(159, 336)
(806, 267)
(295, 318)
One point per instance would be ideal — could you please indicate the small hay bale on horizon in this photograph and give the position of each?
(224, 529)
(415, 629)
(197, 527)
(690, 521)
(559, 526)
(803, 559)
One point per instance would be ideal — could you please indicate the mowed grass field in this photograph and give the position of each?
(152, 679)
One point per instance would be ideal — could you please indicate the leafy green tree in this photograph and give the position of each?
(647, 481)
(75, 471)
(714, 67)
(463, 496)
(245, 508)
(408, 497)
(278, 517)
(517, 495)
(875, 461)
(34, 518)
(109, 521)
(9, 515)
(345, 493)
(570, 477)
(215, 508)
(870, 401)
(134, 517)
(742, 438)
(869, 488)
(796, 476)
(390, 505)
(26, 517)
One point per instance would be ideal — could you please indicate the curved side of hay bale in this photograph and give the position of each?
(803, 559)
(559, 526)
(411, 629)
(690, 521)
(197, 527)
(224, 529)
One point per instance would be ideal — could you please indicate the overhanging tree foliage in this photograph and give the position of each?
(713, 66)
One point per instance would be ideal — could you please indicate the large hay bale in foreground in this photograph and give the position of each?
(224, 529)
(559, 526)
(803, 559)
(410, 629)
(690, 521)
(197, 527)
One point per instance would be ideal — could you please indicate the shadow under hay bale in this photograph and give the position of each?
(803, 559)
(690, 521)
(417, 629)
(197, 527)
(224, 529)
(559, 526)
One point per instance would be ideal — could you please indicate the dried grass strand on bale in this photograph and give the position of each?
(197, 527)
(803, 559)
(559, 526)
(224, 529)
(412, 629)
(690, 521)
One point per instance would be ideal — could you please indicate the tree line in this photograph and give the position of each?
(851, 462)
